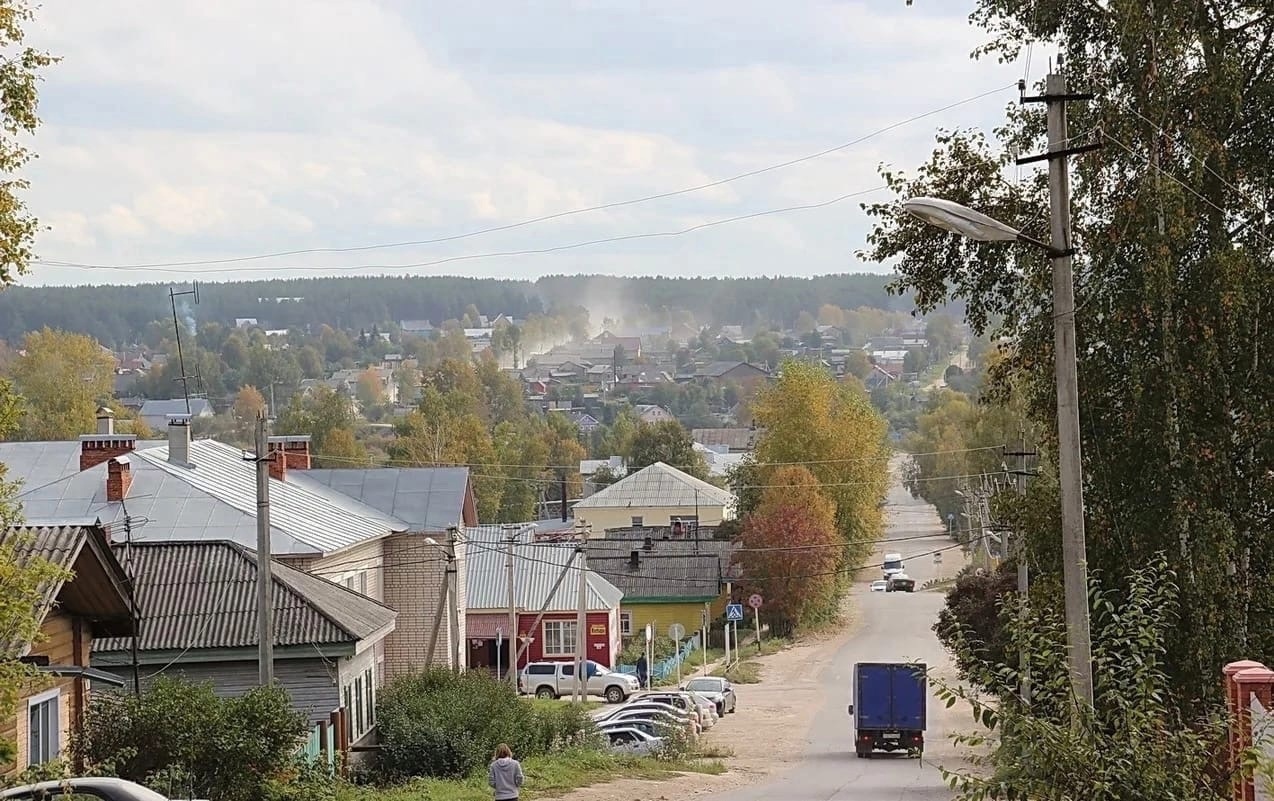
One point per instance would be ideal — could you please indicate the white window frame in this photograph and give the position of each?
(559, 641)
(55, 733)
(625, 623)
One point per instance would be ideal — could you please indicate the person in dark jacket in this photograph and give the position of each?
(505, 775)
(643, 671)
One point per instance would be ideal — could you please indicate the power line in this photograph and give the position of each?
(489, 255)
(547, 217)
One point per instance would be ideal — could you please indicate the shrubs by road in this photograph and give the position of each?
(446, 725)
(181, 739)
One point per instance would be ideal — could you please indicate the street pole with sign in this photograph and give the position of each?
(650, 654)
(755, 602)
(677, 633)
(499, 640)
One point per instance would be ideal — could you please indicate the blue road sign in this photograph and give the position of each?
(734, 611)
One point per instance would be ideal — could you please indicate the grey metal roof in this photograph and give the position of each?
(718, 369)
(326, 521)
(39, 463)
(161, 408)
(659, 575)
(425, 498)
(194, 595)
(658, 485)
(215, 500)
(537, 566)
(741, 439)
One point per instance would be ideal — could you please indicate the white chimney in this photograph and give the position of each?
(179, 439)
(105, 421)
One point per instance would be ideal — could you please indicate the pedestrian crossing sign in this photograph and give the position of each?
(734, 612)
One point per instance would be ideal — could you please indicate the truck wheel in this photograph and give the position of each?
(546, 692)
(615, 694)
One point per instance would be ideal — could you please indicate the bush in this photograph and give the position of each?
(180, 736)
(441, 724)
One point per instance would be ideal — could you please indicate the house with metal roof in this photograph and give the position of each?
(197, 613)
(90, 599)
(545, 601)
(155, 411)
(202, 490)
(657, 495)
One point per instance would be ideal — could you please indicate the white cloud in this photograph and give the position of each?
(249, 126)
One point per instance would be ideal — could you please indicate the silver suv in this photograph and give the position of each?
(555, 679)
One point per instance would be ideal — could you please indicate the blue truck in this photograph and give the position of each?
(890, 702)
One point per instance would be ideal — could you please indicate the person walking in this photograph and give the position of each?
(505, 775)
(643, 672)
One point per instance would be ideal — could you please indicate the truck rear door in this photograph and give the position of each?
(909, 697)
(872, 699)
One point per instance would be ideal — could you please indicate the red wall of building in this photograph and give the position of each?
(598, 638)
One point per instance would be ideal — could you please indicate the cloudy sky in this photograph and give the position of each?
(182, 130)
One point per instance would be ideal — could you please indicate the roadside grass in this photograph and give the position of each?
(546, 777)
(589, 705)
(744, 672)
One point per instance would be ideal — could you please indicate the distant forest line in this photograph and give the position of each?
(117, 314)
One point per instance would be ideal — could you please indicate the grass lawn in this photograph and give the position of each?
(546, 777)
(746, 670)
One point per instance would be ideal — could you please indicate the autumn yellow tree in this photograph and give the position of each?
(64, 379)
(807, 417)
(248, 403)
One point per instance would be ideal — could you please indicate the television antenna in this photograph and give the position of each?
(185, 379)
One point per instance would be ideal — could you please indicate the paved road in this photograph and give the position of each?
(891, 627)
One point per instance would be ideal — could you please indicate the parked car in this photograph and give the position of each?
(682, 700)
(555, 679)
(900, 582)
(652, 711)
(705, 706)
(630, 740)
(92, 787)
(879, 586)
(717, 690)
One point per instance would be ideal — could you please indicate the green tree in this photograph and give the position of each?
(64, 379)
(369, 390)
(668, 442)
(1176, 273)
(322, 414)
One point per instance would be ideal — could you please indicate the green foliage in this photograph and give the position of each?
(970, 625)
(328, 417)
(180, 735)
(1132, 745)
(668, 442)
(443, 724)
(63, 378)
(1175, 277)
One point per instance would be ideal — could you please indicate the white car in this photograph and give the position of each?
(718, 691)
(655, 714)
(629, 740)
(879, 586)
(684, 701)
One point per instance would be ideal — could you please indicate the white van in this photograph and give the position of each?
(892, 564)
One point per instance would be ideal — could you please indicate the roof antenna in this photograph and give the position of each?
(173, 294)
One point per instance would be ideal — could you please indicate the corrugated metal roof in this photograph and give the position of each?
(658, 486)
(660, 575)
(426, 498)
(203, 595)
(537, 566)
(324, 520)
(740, 439)
(35, 464)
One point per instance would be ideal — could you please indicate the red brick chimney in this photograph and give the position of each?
(289, 452)
(105, 444)
(119, 477)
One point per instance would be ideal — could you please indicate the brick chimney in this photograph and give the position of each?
(119, 477)
(289, 452)
(179, 440)
(105, 444)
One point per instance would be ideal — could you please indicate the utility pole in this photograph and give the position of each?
(513, 606)
(453, 595)
(132, 602)
(1023, 569)
(581, 615)
(725, 632)
(1069, 453)
(265, 576)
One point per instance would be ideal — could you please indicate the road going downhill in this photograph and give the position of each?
(891, 627)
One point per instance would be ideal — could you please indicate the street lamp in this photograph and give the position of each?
(966, 222)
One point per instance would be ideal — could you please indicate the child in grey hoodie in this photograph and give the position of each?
(505, 774)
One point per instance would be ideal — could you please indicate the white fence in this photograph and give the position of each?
(1263, 739)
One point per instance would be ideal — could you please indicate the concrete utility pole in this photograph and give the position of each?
(1069, 451)
(581, 616)
(513, 606)
(453, 595)
(265, 576)
(725, 632)
(1023, 568)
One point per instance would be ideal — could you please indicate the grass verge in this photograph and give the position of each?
(745, 672)
(546, 777)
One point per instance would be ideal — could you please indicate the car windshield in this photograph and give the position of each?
(704, 685)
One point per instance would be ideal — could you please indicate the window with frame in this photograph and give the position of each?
(44, 728)
(625, 623)
(559, 637)
(637, 521)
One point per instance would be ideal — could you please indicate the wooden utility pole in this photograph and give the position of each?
(453, 595)
(513, 606)
(581, 615)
